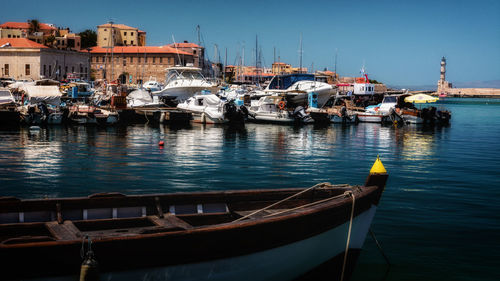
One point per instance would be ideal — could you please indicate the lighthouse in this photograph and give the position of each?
(443, 69)
(443, 85)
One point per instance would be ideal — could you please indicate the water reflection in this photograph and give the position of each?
(128, 158)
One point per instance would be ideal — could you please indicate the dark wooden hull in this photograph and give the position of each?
(163, 240)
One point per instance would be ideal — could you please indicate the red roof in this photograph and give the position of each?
(21, 43)
(25, 25)
(184, 45)
(139, 49)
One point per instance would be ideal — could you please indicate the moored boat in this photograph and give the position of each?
(210, 109)
(272, 234)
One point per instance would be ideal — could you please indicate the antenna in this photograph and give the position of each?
(336, 52)
(198, 31)
(176, 49)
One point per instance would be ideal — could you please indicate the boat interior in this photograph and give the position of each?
(108, 215)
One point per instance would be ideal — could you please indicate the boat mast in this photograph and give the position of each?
(112, 47)
(300, 54)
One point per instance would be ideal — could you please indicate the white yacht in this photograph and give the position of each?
(297, 87)
(183, 82)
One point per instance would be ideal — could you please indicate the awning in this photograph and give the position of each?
(49, 94)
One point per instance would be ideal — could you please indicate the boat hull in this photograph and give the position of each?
(180, 94)
(370, 118)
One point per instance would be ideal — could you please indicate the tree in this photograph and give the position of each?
(89, 38)
(34, 26)
(50, 40)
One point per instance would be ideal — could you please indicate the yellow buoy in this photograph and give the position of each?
(378, 167)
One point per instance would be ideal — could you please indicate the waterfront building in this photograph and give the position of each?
(21, 58)
(134, 64)
(110, 34)
(46, 34)
(196, 50)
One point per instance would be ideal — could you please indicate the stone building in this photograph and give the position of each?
(122, 35)
(197, 51)
(285, 68)
(47, 34)
(133, 64)
(21, 58)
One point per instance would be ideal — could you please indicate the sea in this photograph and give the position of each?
(439, 217)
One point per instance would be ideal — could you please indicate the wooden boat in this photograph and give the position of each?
(274, 234)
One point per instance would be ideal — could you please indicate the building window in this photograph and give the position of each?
(161, 60)
(131, 59)
(125, 33)
(131, 34)
(44, 69)
(8, 36)
(105, 38)
(81, 68)
(85, 70)
(72, 69)
(131, 42)
(124, 62)
(50, 70)
(58, 70)
(105, 29)
(27, 69)
(154, 59)
(103, 59)
(125, 42)
(139, 60)
(6, 67)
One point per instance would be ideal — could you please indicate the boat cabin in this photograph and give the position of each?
(184, 73)
(283, 82)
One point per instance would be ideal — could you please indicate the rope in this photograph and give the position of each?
(307, 205)
(82, 249)
(288, 198)
(348, 236)
(379, 247)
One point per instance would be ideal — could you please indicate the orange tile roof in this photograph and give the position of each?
(117, 25)
(184, 45)
(21, 43)
(139, 49)
(25, 25)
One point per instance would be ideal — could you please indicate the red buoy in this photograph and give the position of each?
(161, 143)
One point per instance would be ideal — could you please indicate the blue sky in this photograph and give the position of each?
(399, 42)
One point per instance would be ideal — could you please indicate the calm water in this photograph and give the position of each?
(439, 218)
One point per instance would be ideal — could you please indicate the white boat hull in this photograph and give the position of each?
(369, 118)
(282, 263)
(180, 94)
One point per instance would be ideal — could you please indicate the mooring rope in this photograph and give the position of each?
(281, 201)
(348, 237)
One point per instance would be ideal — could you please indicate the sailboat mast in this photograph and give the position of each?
(300, 53)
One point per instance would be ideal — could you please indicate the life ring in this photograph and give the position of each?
(281, 105)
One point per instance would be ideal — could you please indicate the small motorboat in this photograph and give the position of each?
(266, 234)
(273, 109)
(210, 109)
(87, 114)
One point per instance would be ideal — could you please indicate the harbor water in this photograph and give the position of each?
(439, 218)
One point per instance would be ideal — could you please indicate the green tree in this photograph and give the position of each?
(89, 38)
(34, 26)
(50, 40)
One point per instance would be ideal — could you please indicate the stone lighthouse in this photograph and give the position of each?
(443, 85)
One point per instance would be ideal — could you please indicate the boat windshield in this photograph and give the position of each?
(282, 82)
(189, 75)
(390, 100)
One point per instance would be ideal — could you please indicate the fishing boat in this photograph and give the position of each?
(42, 105)
(9, 115)
(273, 109)
(210, 109)
(152, 85)
(87, 114)
(269, 234)
(183, 82)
